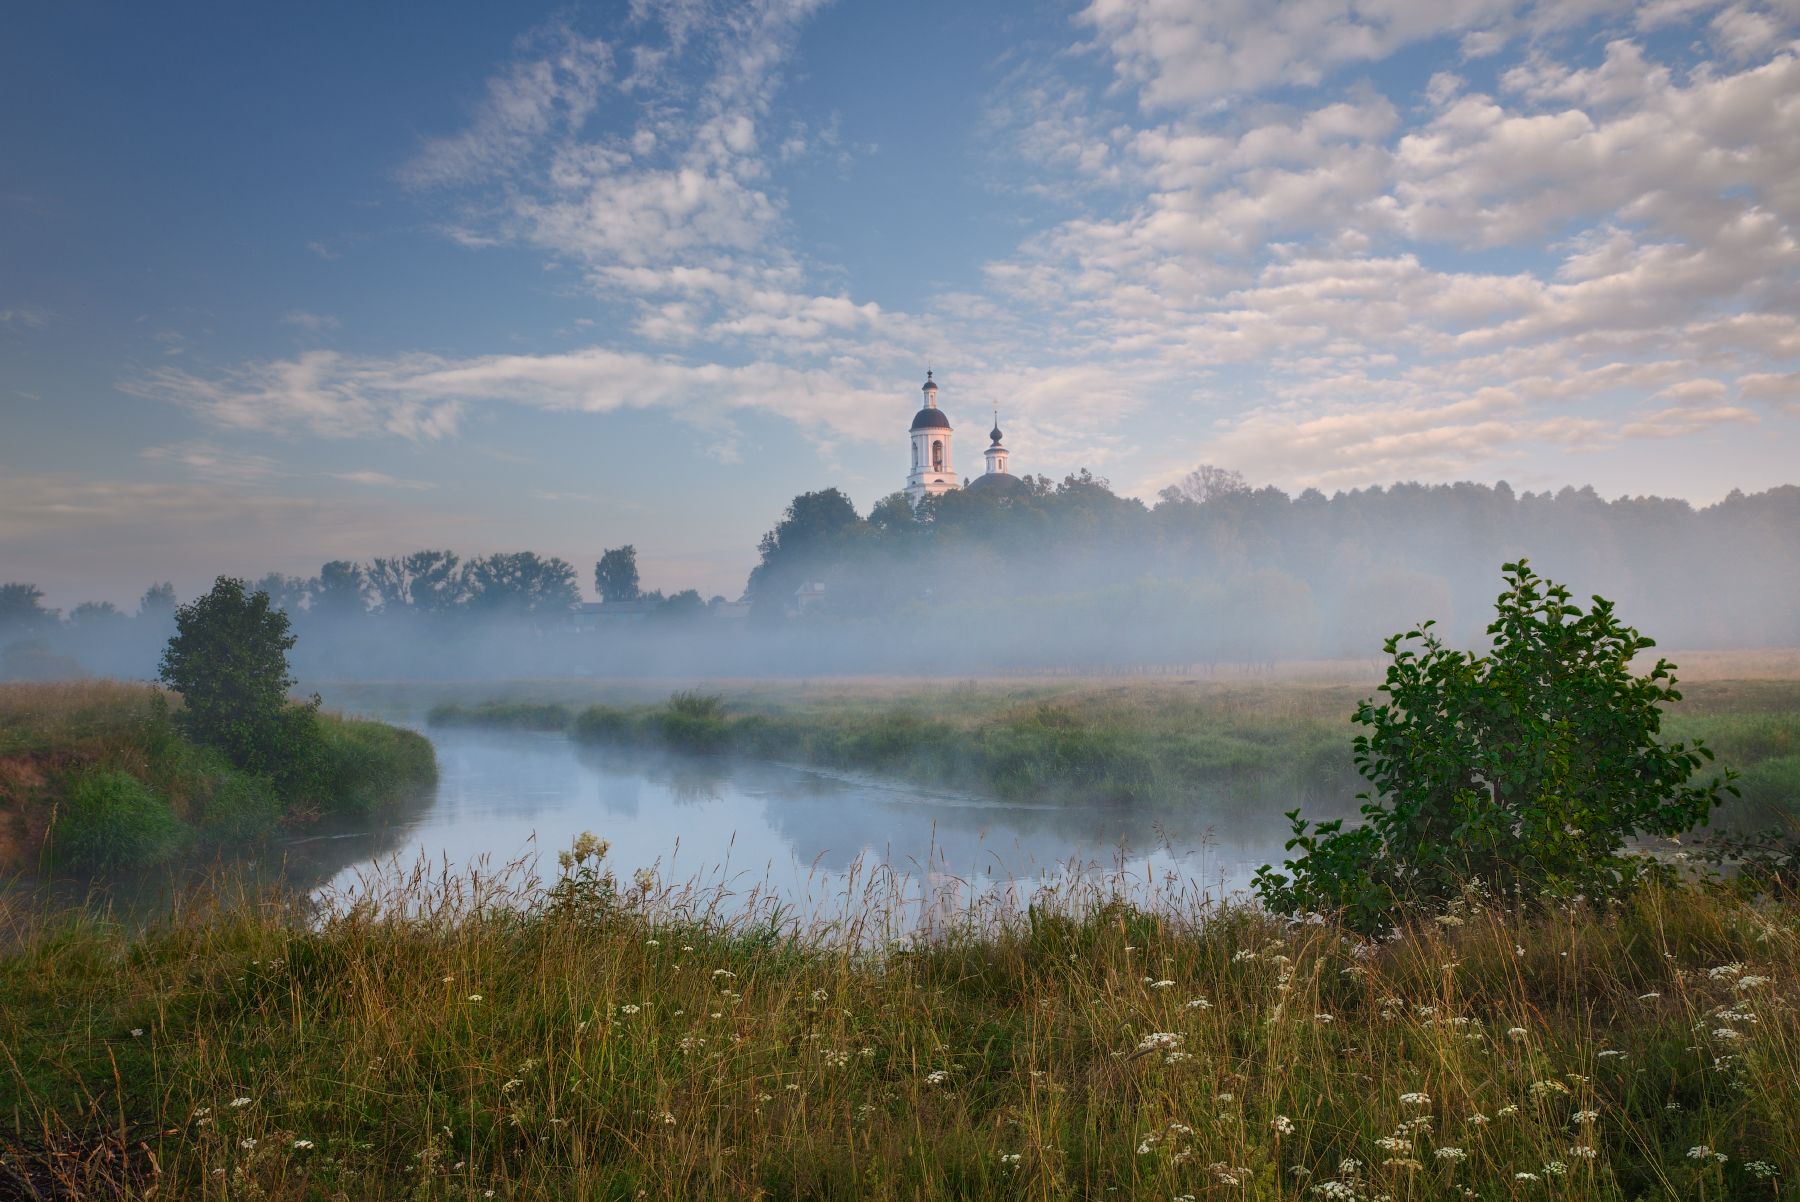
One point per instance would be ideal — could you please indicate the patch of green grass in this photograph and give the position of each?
(160, 792)
(109, 820)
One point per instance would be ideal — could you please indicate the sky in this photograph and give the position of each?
(281, 284)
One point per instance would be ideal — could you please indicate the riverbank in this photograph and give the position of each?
(96, 776)
(1152, 744)
(591, 1044)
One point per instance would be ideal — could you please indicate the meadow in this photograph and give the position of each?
(605, 1039)
(97, 776)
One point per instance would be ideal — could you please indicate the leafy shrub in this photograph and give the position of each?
(1524, 771)
(111, 820)
(602, 724)
(237, 809)
(359, 767)
(694, 722)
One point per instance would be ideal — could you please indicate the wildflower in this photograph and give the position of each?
(1582, 1117)
(723, 972)
(652, 943)
(1649, 997)
(1011, 1158)
(137, 1032)
(1283, 1125)
(1476, 1120)
(1526, 1177)
(1507, 1111)
(1415, 1099)
(1582, 1152)
(1743, 983)
(474, 997)
(239, 1103)
(1448, 920)
(819, 995)
(687, 947)
(936, 1077)
(1324, 1018)
(644, 879)
(1611, 1054)
(1159, 1040)
(1163, 984)
(1555, 1168)
(1338, 1191)
(1242, 954)
(1198, 1003)
(1699, 1151)
(1394, 1143)
(247, 1143)
(304, 1145)
(1517, 1032)
(1727, 1033)
(1762, 1170)
(1402, 1162)
(629, 1009)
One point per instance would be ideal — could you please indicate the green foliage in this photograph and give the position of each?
(1523, 771)
(361, 767)
(694, 722)
(110, 820)
(616, 575)
(228, 660)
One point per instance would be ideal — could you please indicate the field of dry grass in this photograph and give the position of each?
(457, 1041)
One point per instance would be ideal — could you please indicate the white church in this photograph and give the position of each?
(932, 473)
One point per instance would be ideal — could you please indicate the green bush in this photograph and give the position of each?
(359, 767)
(1523, 771)
(111, 820)
(602, 724)
(694, 722)
(236, 809)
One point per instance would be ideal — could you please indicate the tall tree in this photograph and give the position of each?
(286, 593)
(521, 583)
(22, 608)
(340, 590)
(158, 602)
(616, 575)
(815, 528)
(228, 660)
(424, 582)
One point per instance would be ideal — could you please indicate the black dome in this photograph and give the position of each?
(995, 435)
(999, 483)
(929, 385)
(929, 418)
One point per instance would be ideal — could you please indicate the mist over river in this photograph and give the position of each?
(746, 836)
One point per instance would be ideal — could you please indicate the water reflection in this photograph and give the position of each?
(802, 835)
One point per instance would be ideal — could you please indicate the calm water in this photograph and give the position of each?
(804, 838)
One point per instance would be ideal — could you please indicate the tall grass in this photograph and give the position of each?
(446, 1038)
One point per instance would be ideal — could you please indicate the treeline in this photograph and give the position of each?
(1051, 575)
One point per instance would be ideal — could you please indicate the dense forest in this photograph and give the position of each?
(1061, 575)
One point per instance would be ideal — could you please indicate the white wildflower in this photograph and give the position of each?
(239, 1103)
(1197, 1003)
(1449, 1153)
(304, 1145)
(1585, 1116)
(1283, 1125)
(1415, 1099)
(936, 1077)
(1582, 1152)
(1158, 1041)
(1163, 984)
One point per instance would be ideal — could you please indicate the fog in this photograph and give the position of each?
(1047, 577)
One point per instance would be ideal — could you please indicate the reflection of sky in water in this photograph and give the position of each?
(802, 834)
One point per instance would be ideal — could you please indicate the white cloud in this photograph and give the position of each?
(313, 323)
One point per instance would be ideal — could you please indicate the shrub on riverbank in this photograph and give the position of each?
(98, 776)
(593, 1044)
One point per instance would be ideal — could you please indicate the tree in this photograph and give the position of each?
(340, 590)
(228, 660)
(95, 615)
(1523, 771)
(22, 608)
(157, 603)
(616, 575)
(423, 582)
(816, 526)
(285, 592)
(1206, 483)
(522, 584)
(685, 604)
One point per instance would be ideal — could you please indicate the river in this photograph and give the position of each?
(751, 837)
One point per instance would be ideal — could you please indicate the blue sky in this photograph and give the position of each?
(349, 280)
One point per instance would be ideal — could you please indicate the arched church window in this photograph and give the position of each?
(937, 456)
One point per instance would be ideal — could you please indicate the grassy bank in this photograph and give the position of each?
(588, 1045)
(97, 776)
(1146, 743)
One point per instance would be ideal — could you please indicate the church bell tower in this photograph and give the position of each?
(932, 472)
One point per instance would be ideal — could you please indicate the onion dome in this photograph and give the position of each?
(929, 385)
(930, 418)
